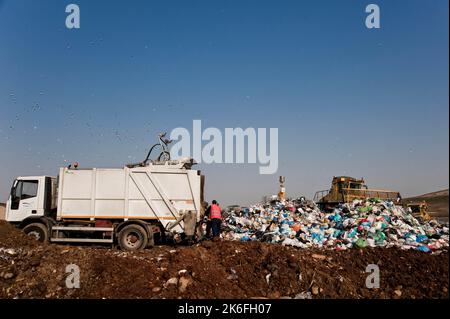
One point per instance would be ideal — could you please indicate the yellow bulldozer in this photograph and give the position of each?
(419, 210)
(345, 189)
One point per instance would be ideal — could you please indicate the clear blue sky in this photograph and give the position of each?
(346, 99)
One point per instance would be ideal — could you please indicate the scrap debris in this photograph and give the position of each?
(362, 223)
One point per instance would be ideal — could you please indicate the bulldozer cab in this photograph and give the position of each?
(339, 186)
(345, 182)
(345, 189)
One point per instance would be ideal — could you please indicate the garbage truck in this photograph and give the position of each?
(129, 207)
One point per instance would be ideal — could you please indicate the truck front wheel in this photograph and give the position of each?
(133, 237)
(38, 231)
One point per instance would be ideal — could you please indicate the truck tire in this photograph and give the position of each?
(133, 237)
(38, 231)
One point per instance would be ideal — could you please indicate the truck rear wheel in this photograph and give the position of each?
(38, 231)
(133, 237)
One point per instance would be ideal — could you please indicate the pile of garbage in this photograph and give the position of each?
(362, 223)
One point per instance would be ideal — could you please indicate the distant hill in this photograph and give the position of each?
(443, 192)
(437, 202)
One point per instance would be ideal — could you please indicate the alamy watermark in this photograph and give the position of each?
(73, 19)
(373, 19)
(235, 146)
(73, 277)
(373, 280)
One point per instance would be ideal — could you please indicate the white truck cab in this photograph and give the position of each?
(31, 196)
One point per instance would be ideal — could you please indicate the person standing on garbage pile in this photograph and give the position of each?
(215, 216)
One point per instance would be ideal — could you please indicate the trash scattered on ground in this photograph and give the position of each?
(362, 223)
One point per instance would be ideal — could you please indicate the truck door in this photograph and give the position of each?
(23, 200)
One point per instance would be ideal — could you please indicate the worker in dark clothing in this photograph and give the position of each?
(208, 222)
(215, 216)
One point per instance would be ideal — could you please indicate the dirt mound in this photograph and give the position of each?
(215, 270)
(11, 237)
(2, 211)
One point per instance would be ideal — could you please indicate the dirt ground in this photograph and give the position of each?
(2, 211)
(214, 270)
